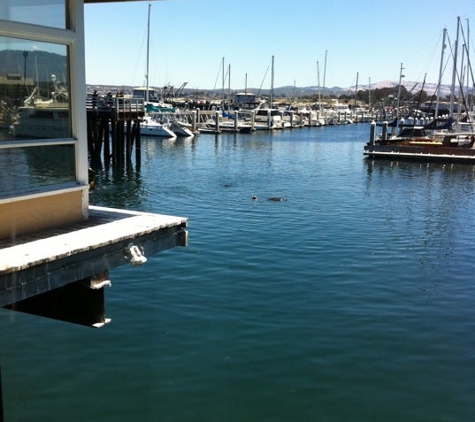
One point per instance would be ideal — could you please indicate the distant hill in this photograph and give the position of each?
(414, 87)
(39, 65)
(294, 92)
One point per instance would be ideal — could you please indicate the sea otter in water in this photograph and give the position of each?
(273, 199)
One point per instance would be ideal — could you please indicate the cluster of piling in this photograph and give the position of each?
(113, 130)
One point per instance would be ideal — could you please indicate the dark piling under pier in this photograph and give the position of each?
(113, 130)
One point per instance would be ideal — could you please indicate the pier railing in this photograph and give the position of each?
(128, 108)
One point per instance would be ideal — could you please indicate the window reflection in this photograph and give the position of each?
(28, 168)
(45, 12)
(34, 98)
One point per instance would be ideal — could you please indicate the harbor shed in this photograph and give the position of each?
(56, 249)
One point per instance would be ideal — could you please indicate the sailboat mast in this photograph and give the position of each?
(148, 52)
(461, 83)
(325, 69)
(399, 91)
(452, 94)
(444, 36)
(272, 84)
(222, 80)
(319, 88)
(369, 94)
(469, 72)
(356, 89)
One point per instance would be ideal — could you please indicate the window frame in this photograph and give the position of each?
(73, 39)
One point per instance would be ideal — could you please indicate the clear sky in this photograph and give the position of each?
(189, 39)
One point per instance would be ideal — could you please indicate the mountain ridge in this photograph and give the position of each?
(296, 92)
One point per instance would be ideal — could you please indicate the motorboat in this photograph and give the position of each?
(150, 126)
(271, 118)
(180, 128)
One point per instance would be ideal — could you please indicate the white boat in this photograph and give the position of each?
(227, 123)
(153, 123)
(172, 121)
(152, 127)
(268, 118)
(180, 128)
(152, 97)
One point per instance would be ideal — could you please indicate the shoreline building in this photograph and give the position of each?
(55, 248)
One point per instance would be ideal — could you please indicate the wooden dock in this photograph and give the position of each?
(113, 129)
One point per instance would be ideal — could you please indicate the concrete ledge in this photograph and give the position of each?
(34, 264)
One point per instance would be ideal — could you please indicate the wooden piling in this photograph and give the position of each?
(123, 117)
(193, 121)
(372, 138)
(138, 145)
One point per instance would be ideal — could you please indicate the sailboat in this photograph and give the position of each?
(266, 116)
(151, 125)
(416, 143)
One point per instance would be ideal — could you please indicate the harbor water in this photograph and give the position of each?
(350, 300)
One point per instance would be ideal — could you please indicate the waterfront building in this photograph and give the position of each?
(54, 247)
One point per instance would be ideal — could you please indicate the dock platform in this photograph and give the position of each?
(35, 265)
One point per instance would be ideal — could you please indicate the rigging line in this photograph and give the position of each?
(469, 64)
(439, 83)
(217, 75)
(459, 80)
(464, 101)
(434, 52)
(226, 75)
(263, 79)
(470, 71)
(417, 83)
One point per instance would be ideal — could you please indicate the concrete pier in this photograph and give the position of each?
(61, 273)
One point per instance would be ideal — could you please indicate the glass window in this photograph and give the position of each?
(29, 168)
(34, 94)
(40, 12)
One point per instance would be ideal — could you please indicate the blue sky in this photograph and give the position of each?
(189, 39)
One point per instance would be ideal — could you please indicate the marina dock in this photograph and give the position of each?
(113, 128)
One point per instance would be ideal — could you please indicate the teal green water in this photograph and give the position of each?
(350, 301)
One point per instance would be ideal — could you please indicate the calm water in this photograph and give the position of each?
(352, 300)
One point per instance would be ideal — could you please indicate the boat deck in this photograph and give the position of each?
(421, 153)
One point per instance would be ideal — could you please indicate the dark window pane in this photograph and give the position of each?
(29, 168)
